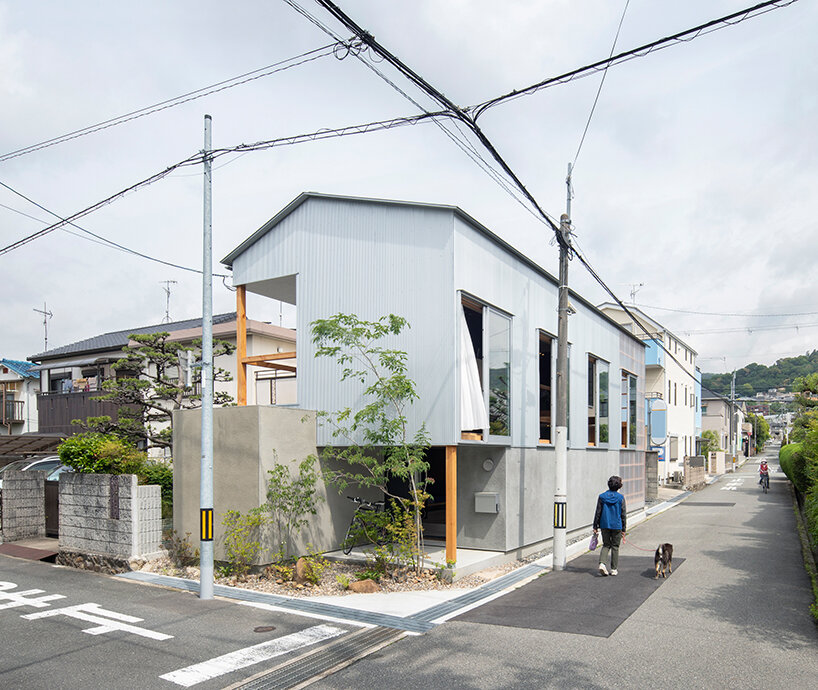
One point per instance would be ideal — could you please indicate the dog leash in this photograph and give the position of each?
(630, 543)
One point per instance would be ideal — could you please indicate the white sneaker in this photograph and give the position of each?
(614, 571)
(603, 569)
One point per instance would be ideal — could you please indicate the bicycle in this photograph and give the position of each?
(765, 482)
(358, 525)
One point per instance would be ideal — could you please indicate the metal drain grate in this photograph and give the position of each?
(482, 592)
(300, 670)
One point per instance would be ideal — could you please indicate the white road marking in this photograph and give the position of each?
(227, 663)
(733, 484)
(15, 599)
(107, 621)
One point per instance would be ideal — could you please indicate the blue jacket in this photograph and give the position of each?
(610, 511)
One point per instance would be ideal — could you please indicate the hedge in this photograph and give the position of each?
(794, 464)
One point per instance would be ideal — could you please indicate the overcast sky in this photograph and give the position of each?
(697, 177)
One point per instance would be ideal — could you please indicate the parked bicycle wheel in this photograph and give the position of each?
(356, 527)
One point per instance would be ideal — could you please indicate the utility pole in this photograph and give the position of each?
(561, 440)
(733, 416)
(167, 284)
(46, 316)
(206, 477)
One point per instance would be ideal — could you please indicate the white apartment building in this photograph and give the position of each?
(672, 389)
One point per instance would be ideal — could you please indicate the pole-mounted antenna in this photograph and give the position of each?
(167, 284)
(634, 289)
(46, 316)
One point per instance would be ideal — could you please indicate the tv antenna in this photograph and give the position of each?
(46, 316)
(167, 284)
(634, 289)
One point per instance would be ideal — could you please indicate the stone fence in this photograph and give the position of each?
(104, 520)
(23, 505)
(694, 472)
(109, 515)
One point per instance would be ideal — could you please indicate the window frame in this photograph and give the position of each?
(594, 373)
(628, 391)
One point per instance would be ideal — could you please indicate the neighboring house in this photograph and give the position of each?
(716, 417)
(72, 375)
(481, 313)
(19, 384)
(673, 389)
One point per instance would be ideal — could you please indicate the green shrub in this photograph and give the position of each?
(95, 453)
(180, 551)
(241, 544)
(794, 464)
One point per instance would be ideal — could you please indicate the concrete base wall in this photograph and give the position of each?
(694, 472)
(715, 463)
(23, 497)
(248, 442)
(524, 478)
(109, 515)
(651, 475)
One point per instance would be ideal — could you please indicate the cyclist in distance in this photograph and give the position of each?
(763, 472)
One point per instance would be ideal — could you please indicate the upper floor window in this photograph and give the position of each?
(486, 372)
(598, 402)
(546, 370)
(628, 410)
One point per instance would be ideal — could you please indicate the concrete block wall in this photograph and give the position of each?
(651, 475)
(694, 467)
(108, 515)
(23, 499)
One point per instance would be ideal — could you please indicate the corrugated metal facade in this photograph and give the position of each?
(373, 258)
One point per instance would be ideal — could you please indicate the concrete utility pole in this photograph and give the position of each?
(206, 479)
(733, 416)
(561, 439)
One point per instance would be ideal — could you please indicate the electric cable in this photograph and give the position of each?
(276, 67)
(94, 237)
(717, 313)
(681, 37)
(599, 90)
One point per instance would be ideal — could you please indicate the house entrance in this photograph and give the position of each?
(434, 516)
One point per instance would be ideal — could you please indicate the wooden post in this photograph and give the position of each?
(241, 344)
(451, 503)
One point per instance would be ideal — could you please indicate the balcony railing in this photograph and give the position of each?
(11, 412)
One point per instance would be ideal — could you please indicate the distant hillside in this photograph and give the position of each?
(757, 378)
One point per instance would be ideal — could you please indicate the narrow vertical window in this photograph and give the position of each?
(545, 388)
(628, 410)
(499, 374)
(592, 401)
(603, 396)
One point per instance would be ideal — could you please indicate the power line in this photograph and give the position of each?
(276, 67)
(681, 37)
(599, 90)
(92, 236)
(750, 329)
(716, 313)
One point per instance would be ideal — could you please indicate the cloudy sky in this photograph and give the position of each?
(696, 179)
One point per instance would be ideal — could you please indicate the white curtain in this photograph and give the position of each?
(473, 413)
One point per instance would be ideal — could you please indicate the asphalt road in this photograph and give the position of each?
(104, 632)
(733, 614)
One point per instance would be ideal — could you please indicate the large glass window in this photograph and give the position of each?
(499, 373)
(485, 372)
(628, 410)
(546, 387)
(598, 420)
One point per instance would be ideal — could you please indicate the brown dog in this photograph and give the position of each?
(663, 560)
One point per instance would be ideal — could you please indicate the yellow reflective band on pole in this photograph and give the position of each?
(207, 524)
(559, 514)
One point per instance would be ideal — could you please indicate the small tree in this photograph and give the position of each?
(710, 442)
(290, 500)
(148, 387)
(377, 445)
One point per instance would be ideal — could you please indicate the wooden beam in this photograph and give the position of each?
(255, 359)
(451, 503)
(273, 365)
(241, 344)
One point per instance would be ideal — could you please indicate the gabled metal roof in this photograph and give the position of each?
(24, 369)
(456, 210)
(118, 339)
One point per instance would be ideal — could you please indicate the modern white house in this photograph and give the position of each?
(672, 389)
(481, 349)
(19, 384)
